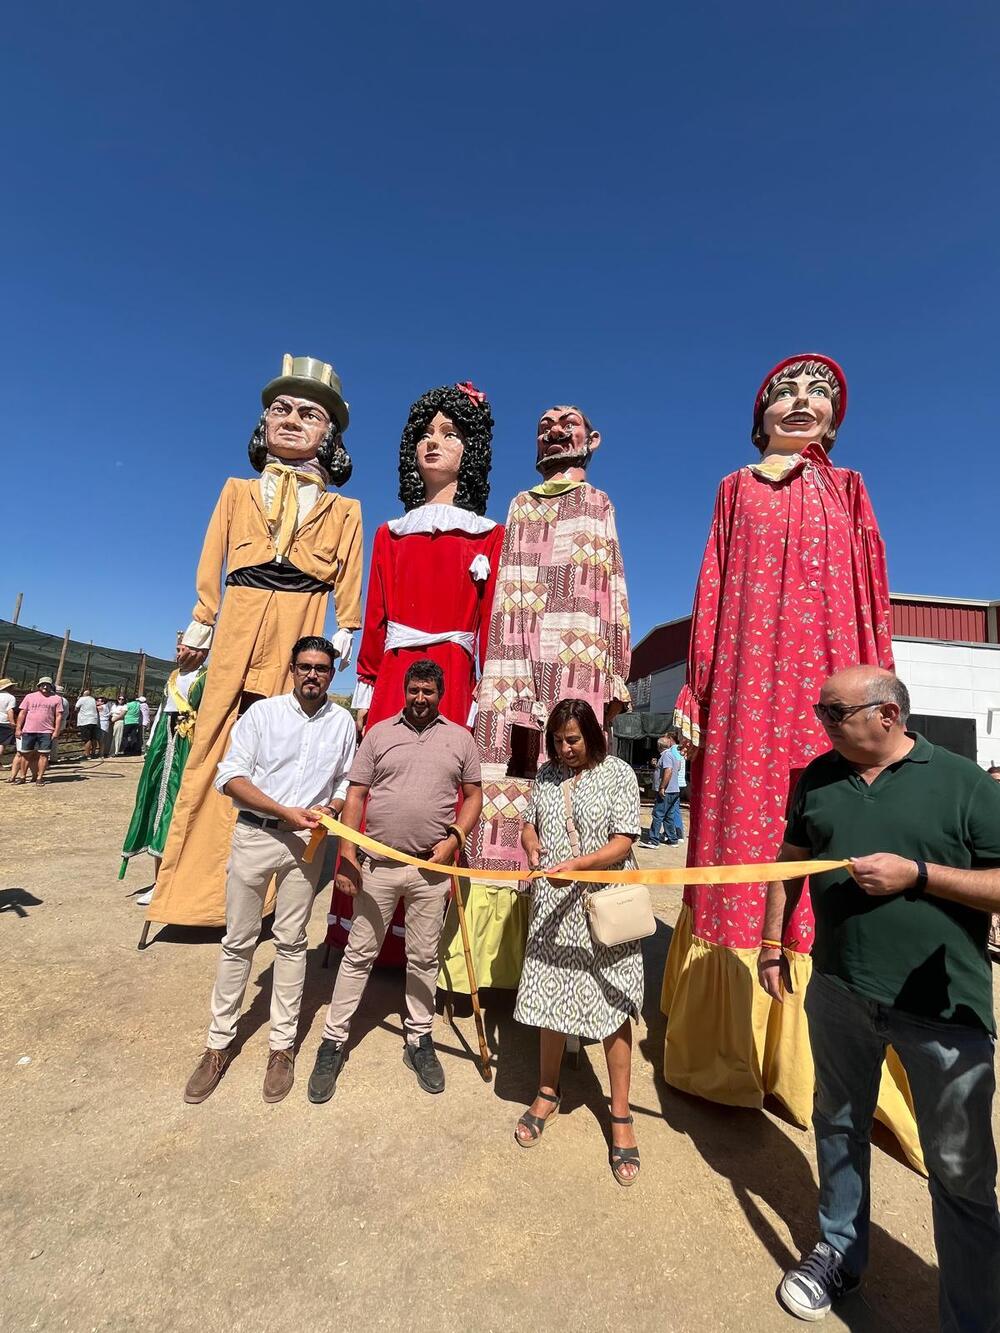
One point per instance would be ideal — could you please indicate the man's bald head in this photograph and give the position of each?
(867, 685)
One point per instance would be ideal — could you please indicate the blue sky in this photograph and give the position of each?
(637, 207)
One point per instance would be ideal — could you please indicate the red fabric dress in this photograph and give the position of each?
(793, 587)
(433, 574)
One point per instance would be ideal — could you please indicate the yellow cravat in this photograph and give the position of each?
(284, 506)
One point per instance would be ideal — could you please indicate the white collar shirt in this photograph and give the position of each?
(8, 712)
(291, 757)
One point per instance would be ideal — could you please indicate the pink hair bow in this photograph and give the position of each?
(472, 392)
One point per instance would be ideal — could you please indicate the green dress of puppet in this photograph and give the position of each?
(166, 755)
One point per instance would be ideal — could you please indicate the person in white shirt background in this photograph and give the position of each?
(104, 722)
(288, 756)
(118, 723)
(88, 724)
(8, 715)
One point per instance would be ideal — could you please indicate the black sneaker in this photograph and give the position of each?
(422, 1059)
(820, 1279)
(329, 1063)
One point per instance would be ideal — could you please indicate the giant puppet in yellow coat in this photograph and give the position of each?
(279, 544)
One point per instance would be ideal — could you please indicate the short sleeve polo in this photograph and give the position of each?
(918, 953)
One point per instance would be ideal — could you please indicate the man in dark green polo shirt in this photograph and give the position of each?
(899, 958)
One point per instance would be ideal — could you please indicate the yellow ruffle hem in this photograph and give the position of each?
(497, 921)
(728, 1042)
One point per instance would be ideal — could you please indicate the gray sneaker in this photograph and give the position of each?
(809, 1290)
(422, 1059)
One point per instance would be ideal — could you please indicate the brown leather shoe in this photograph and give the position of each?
(205, 1078)
(280, 1075)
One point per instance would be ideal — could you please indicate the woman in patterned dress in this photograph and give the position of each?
(570, 983)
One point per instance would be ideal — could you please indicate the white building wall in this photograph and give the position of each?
(955, 680)
(944, 680)
(665, 687)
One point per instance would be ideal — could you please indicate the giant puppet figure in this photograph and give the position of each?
(276, 545)
(559, 630)
(430, 587)
(792, 587)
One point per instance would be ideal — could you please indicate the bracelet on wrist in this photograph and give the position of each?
(771, 944)
(453, 828)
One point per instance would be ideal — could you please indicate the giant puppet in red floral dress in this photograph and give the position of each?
(793, 587)
(431, 582)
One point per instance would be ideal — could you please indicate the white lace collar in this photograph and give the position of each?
(440, 518)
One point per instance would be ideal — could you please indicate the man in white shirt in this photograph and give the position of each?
(8, 714)
(287, 757)
(88, 724)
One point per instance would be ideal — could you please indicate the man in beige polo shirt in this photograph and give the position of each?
(410, 769)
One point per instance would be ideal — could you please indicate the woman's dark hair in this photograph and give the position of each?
(475, 420)
(332, 456)
(425, 669)
(313, 643)
(580, 712)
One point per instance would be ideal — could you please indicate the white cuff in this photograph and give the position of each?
(197, 635)
(340, 791)
(480, 568)
(362, 696)
(343, 641)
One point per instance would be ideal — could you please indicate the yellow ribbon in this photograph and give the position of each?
(764, 873)
(284, 506)
(188, 715)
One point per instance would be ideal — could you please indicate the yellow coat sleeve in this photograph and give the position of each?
(208, 580)
(350, 555)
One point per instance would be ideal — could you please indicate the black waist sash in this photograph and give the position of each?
(275, 576)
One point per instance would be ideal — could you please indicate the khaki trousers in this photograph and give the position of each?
(257, 856)
(426, 896)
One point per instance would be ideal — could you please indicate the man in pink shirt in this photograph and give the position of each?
(40, 719)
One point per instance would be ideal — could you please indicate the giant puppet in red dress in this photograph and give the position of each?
(431, 582)
(793, 587)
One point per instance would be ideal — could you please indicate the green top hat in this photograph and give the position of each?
(305, 377)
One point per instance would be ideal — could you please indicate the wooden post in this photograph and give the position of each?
(140, 675)
(86, 667)
(6, 654)
(17, 606)
(62, 659)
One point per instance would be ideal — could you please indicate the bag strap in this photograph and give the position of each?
(574, 837)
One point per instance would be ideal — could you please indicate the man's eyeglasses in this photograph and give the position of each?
(837, 713)
(307, 669)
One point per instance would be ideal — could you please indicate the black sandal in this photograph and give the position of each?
(535, 1124)
(619, 1156)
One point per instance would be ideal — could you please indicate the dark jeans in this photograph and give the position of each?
(663, 817)
(950, 1069)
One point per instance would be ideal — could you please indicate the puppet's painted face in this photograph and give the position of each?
(439, 451)
(563, 435)
(296, 427)
(799, 410)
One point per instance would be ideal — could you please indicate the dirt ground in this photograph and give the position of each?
(123, 1208)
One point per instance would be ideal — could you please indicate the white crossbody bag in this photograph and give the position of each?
(619, 914)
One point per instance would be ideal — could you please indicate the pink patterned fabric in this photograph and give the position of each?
(793, 587)
(559, 630)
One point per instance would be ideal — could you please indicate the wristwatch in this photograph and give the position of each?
(921, 883)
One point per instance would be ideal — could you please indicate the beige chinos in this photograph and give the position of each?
(257, 856)
(383, 883)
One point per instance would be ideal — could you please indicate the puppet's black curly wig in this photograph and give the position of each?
(332, 456)
(475, 421)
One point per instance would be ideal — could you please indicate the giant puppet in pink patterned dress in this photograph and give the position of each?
(430, 586)
(793, 587)
(559, 630)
